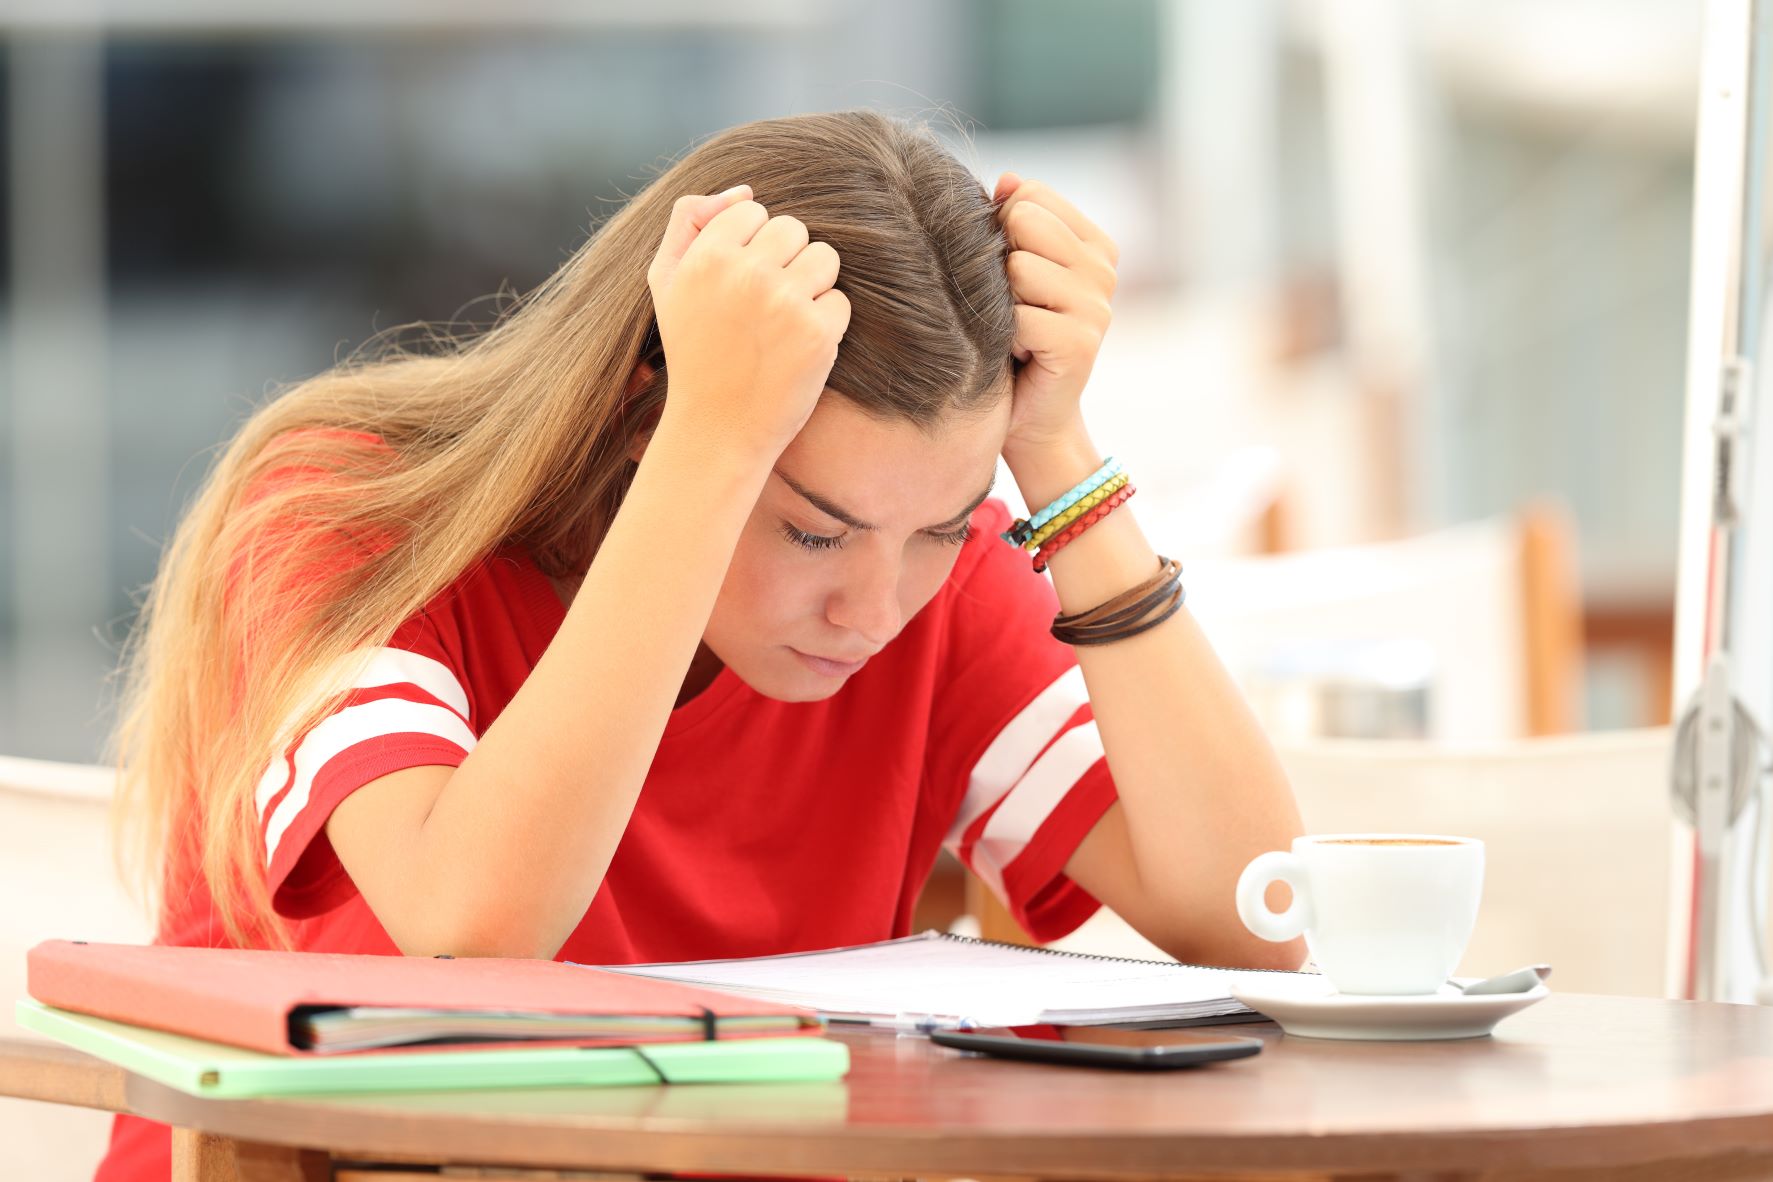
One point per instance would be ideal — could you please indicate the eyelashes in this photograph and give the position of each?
(808, 541)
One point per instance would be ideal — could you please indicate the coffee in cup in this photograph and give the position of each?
(1382, 913)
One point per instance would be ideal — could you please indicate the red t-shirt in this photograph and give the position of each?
(763, 826)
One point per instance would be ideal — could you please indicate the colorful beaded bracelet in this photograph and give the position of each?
(1059, 524)
(1023, 529)
(1078, 527)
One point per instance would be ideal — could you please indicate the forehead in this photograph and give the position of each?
(891, 472)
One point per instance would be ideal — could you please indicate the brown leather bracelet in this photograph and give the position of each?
(1125, 614)
(1175, 605)
(1168, 571)
(1130, 612)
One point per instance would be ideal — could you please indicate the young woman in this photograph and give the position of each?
(670, 618)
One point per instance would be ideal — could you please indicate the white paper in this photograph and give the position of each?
(941, 979)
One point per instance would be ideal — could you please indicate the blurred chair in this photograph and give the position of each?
(58, 881)
(1489, 612)
(1576, 833)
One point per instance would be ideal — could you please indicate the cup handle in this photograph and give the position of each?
(1252, 907)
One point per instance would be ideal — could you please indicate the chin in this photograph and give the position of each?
(804, 688)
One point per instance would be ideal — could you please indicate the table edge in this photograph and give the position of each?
(675, 1144)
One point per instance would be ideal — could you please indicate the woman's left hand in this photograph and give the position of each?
(1062, 271)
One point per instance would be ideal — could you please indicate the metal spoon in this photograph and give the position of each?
(1521, 980)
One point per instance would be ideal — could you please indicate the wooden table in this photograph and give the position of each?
(1577, 1087)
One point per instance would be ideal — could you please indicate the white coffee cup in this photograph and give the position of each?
(1382, 913)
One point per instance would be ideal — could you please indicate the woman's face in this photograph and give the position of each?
(805, 583)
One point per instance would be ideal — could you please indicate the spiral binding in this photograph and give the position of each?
(1119, 959)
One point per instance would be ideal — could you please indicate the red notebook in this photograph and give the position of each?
(275, 1001)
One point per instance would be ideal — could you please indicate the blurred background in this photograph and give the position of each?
(1398, 352)
(1388, 269)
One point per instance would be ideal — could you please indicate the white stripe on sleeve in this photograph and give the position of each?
(1032, 801)
(349, 727)
(364, 668)
(391, 666)
(1015, 747)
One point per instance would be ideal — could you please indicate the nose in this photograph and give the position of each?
(867, 603)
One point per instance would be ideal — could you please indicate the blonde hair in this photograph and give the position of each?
(417, 463)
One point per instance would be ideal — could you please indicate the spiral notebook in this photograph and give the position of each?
(941, 980)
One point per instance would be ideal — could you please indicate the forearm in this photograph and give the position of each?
(1199, 782)
(528, 824)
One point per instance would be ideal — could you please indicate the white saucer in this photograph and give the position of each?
(1308, 1006)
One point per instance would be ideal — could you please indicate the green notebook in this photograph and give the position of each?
(214, 1069)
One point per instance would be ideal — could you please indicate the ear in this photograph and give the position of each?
(643, 373)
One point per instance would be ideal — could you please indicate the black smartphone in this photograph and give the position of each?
(1101, 1046)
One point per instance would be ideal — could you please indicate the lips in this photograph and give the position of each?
(829, 666)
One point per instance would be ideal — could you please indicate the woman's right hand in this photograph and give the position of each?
(748, 317)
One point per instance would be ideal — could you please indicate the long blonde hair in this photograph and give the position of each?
(517, 434)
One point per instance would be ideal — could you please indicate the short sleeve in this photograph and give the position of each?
(405, 706)
(1014, 739)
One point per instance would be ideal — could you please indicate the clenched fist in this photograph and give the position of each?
(749, 319)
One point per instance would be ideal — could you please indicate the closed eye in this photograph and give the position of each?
(956, 537)
(808, 541)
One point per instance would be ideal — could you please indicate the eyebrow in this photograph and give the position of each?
(829, 507)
